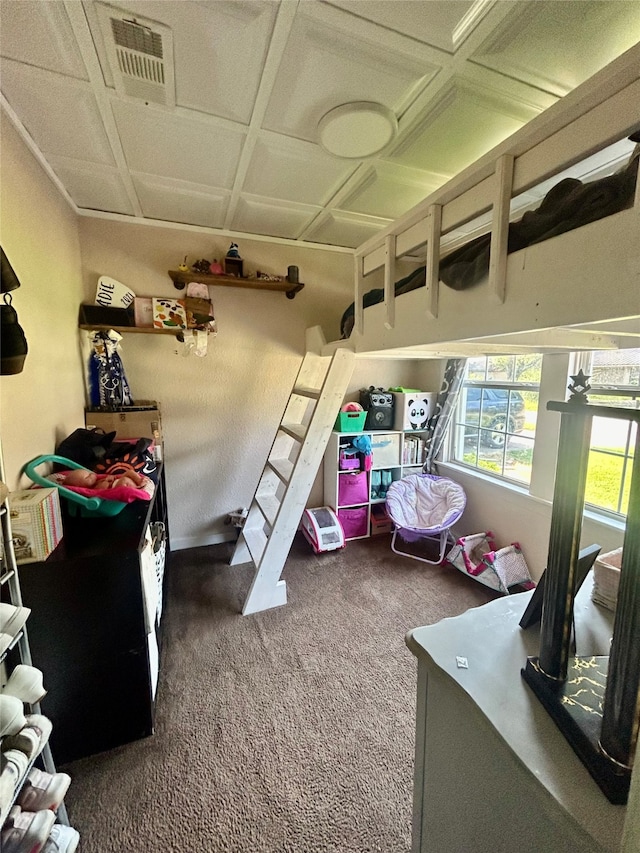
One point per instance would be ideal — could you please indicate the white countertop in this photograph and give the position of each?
(496, 649)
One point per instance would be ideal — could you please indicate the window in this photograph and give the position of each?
(495, 425)
(496, 422)
(615, 381)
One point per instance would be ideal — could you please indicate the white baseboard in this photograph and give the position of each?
(183, 542)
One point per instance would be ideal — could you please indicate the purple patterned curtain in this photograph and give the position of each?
(445, 406)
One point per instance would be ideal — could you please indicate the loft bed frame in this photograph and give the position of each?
(579, 290)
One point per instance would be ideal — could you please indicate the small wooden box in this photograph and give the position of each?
(380, 520)
(141, 421)
(233, 266)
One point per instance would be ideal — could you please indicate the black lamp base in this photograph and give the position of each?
(575, 705)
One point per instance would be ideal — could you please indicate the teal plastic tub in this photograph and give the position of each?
(350, 421)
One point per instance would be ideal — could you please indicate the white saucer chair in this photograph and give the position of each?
(425, 506)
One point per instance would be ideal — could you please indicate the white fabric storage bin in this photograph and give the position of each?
(385, 450)
(413, 410)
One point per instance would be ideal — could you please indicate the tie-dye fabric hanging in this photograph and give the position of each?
(108, 386)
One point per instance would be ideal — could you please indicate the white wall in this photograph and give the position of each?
(220, 413)
(425, 375)
(39, 234)
(516, 517)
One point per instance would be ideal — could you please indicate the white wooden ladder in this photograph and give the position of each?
(289, 474)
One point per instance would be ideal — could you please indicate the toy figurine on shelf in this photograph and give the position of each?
(233, 262)
(264, 276)
(202, 265)
(215, 268)
(183, 266)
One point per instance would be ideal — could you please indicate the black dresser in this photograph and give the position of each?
(94, 629)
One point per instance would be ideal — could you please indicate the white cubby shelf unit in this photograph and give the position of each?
(395, 454)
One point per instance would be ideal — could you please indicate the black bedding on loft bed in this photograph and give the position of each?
(568, 205)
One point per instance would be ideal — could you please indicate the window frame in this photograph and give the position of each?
(557, 368)
(455, 439)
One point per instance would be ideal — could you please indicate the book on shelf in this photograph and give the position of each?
(413, 450)
(36, 523)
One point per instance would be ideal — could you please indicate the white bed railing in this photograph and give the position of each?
(597, 114)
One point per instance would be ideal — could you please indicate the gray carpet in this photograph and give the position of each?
(289, 730)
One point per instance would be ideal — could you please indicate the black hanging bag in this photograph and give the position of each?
(85, 446)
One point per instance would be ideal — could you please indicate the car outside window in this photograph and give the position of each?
(495, 424)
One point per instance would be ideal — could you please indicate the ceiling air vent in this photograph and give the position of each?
(140, 56)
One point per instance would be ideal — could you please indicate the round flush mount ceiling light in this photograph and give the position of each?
(357, 130)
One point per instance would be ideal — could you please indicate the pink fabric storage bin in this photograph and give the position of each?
(354, 522)
(353, 488)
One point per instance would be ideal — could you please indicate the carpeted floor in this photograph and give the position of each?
(288, 730)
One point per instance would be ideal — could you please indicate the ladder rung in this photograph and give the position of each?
(307, 391)
(297, 431)
(283, 468)
(256, 540)
(14, 642)
(269, 506)
(6, 576)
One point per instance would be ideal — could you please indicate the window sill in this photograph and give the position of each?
(487, 478)
(605, 520)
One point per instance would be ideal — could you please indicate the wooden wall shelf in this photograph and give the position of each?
(180, 279)
(147, 330)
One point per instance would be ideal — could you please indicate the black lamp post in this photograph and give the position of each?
(595, 701)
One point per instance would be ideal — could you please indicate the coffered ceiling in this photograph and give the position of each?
(207, 113)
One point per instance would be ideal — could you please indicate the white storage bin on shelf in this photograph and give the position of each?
(385, 447)
(351, 490)
(412, 410)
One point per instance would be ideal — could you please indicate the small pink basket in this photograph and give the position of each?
(349, 461)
